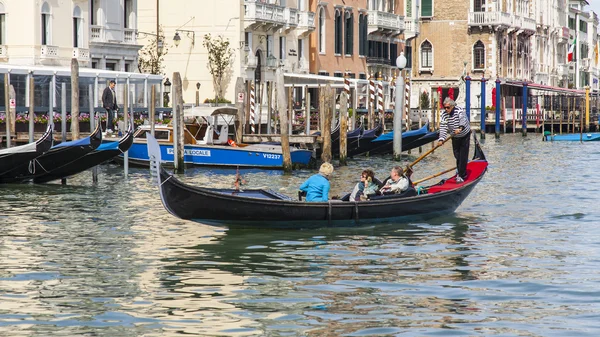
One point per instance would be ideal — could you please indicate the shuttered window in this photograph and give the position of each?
(426, 8)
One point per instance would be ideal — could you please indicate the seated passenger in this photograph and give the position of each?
(366, 187)
(397, 183)
(317, 186)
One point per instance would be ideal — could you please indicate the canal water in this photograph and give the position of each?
(520, 257)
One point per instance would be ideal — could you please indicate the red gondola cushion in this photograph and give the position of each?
(474, 170)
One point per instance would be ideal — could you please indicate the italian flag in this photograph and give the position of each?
(571, 51)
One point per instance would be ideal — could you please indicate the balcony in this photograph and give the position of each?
(411, 28)
(489, 19)
(306, 23)
(584, 64)
(81, 54)
(263, 16)
(3, 51)
(373, 60)
(303, 65)
(48, 52)
(385, 23)
(528, 25)
(250, 62)
(563, 70)
(101, 34)
(291, 18)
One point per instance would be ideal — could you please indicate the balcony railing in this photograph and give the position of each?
(303, 65)
(306, 20)
(291, 17)
(490, 19)
(528, 24)
(81, 54)
(3, 51)
(263, 13)
(48, 52)
(412, 26)
(250, 61)
(378, 60)
(103, 34)
(379, 21)
(129, 36)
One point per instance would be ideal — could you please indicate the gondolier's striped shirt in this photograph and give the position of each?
(451, 122)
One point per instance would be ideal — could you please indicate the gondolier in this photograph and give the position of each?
(453, 121)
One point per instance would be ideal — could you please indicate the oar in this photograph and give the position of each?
(409, 166)
(433, 176)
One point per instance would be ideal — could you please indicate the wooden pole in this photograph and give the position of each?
(321, 109)
(178, 123)
(7, 118)
(326, 131)
(93, 121)
(283, 117)
(344, 128)
(260, 106)
(31, 107)
(552, 117)
(561, 115)
(152, 109)
(269, 106)
(75, 99)
(240, 90)
(514, 114)
(307, 112)
(125, 117)
(63, 112)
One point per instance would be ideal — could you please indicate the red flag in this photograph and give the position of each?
(451, 93)
(493, 96)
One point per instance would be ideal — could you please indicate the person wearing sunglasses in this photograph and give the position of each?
(453, 121)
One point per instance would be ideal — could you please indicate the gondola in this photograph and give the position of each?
(428, 138)
(105, 152)
(15, 156)
(572, 137)
(263, 208)
(58, 155)
(350, 141)
(384, 144)
(363, 143)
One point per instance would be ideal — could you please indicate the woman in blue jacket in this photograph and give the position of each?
(317, 186)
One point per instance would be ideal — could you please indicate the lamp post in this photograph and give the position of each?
(167, 86)
(399, 106)
(176, 40)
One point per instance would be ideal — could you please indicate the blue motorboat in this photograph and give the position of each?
(214, 148)
(572, 137)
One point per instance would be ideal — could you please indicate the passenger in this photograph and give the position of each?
(317, 186)
(397, 183)
(366, 187)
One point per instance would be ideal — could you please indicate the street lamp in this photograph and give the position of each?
(399, 106)
(160, 45)
(167, 86)
(176, 39)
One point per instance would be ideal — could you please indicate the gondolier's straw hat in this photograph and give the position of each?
(326, 169)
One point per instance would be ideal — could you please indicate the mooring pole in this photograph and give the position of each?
(524, 122)
(497, 108)
(483, 110)
(75, 100)
(31, 106)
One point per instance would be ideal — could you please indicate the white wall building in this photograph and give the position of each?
(262, 34)
(99, 33)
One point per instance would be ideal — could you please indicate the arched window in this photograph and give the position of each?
(2, 24)
(128, 19)
(349, 27)
(77, 28)
(322, 19)
(46, 25)
(362, 35)
(426, 54)
(338, 32)
(478, 55)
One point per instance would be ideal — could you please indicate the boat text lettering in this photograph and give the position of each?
(271, 156)
(192, 152)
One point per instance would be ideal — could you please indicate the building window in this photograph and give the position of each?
(322, 30)
(2, 24)
(572, 23)
(338, 74)
(338, 32)
(282, 47)
(362, 36)
(323, 73)
(128, 14)
(300, 49)
(77, 28)
(478, 55)
(426, 55)
(46, 25)
(408, 55)
(349, 27)
(479, 6)
(95, 12)
(583, 26)
(427, 8)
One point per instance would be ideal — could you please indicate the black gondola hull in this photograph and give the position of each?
(15, 157)
(89, 160)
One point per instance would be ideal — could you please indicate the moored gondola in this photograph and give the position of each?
(15, 156)
(261, 208)
(105, 152)
(58, 155)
